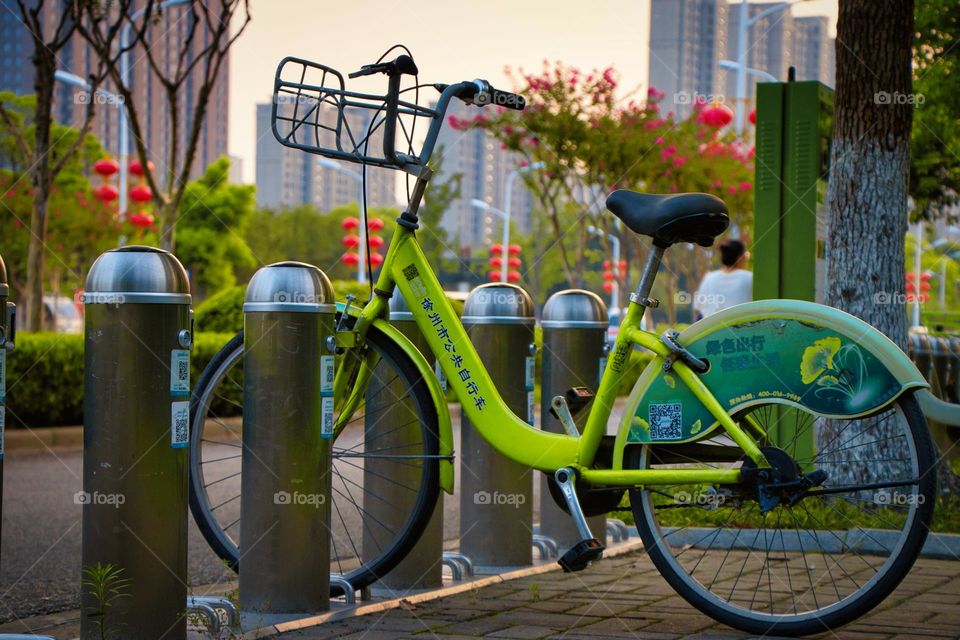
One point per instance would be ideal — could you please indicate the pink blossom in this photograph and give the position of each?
(731, 189)
(718, 184)
(679, 161)
(658, 140)
(669, 150)
(745, 186)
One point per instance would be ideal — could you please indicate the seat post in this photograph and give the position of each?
(650, 270)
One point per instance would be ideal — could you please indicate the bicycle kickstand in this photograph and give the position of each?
(580, 555)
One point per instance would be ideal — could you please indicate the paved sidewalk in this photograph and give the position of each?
(624, 597)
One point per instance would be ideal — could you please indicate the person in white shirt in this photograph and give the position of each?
(725, 287)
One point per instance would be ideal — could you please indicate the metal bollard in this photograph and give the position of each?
(7, 335)
(137, 337)
(574, 326)
(385, 430)
(288, 313)
(496, 494)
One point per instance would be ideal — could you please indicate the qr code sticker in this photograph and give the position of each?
(326, 418)
(179, 424)
(666, 421)
(179, 373)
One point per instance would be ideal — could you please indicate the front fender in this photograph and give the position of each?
(433, 386)
(784, 351)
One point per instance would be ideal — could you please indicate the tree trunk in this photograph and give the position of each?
(45, 65)
(870, 163)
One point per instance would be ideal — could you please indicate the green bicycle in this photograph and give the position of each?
(777, 462)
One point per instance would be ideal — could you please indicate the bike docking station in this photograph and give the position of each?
(496, 494)
(394, 428)
(574, 325)
(7, 336)
(137, 341)
(289, 315)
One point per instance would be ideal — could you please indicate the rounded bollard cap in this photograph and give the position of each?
(498, 303)
(289, 286)
(137, 274)
(574, 309)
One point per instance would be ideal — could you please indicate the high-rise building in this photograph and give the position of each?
(484, 167)
(689, 38)
(687, 41)
(169, 29)
(290, 177)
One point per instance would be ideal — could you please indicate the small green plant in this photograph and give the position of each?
(106, 585)
(534, 592)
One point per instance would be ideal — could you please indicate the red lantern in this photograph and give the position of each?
(715, 115)
(513, 276)
(607, 264)
(137, 169)
(376, 260)
(141, 193)
(350, 223)
(608, 275)
(351, 241)
(514, 263)
(106, 192)
(515, 249)
(496, 263)
(608, 287)
(752, 117)
(623, 266)
(106, 167)
(375, 224)
(493, 276)
(376, 241)
(351, 259)
(141, 219)
(496, 249)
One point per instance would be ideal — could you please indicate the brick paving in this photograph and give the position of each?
(624, 597)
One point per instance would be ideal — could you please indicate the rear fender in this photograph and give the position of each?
(790, 352)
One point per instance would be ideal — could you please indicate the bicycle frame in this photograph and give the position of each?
(406, 268)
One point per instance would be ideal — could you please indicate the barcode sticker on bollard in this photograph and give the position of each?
(179, 373)
(326, 374)
(603, 365)
(180, 424)
(531, 405)
(530, 367)
(326, 417)
(441, 376)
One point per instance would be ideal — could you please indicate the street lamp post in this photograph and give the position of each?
(124, 133)
(327, 163)
(505, 212)
(615, 246)
(743, 31)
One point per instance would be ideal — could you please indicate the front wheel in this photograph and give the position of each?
(385, 467)
(803, 567)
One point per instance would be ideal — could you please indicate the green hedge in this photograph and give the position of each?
(45, 376)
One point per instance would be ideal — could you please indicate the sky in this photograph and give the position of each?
(451, 40)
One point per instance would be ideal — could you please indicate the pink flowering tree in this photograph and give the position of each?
(592, 140)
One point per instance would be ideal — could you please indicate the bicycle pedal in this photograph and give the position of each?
(581, 555)
(577, 398)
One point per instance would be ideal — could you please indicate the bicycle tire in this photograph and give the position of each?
(680, 573)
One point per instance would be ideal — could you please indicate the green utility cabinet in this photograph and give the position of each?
(794, 127)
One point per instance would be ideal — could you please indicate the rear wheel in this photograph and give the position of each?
(385, 473)
(802, 567)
